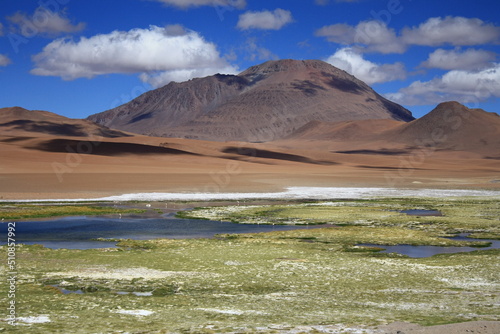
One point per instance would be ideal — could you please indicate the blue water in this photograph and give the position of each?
(78, 232)
(426, 251)
(417, 212)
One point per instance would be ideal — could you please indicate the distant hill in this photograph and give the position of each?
(266, 102)
(17, 121)
(451, 126)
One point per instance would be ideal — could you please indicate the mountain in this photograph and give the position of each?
(17, 121)
(451, 126)
(266, 102)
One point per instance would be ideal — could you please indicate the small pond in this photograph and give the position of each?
(417, 212)
(78, 232)
(426, 251)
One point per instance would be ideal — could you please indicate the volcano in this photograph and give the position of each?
(263, 103)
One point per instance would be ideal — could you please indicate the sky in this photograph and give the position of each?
(77, 58)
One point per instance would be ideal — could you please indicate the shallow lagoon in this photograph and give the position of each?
(79, 232)
(426, 251)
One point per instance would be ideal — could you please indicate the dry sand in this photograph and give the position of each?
(60, 167)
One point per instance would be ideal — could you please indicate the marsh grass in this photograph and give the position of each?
(249, 282)
(245, 283)
(25, 211)
(459, 215)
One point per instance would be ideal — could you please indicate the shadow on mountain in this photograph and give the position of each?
(70, 130)
(390, 168)
(141, 117)
(344, 85)
(231, 80)
(15, 139)
(307, 87)
(104, 148)
(375, 152)
(265, 154)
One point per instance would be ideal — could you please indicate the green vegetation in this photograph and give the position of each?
(255, 283)
(459, 215)
(25, 211)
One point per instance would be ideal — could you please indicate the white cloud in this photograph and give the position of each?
(460, 85)
(456, 31)
(1, 29)
(375, 36)
(265, 20)
(4, 60)
(338, 33)
(469, 59)
(198, 3)
(352, 62)
(180, 53)
(44, 21)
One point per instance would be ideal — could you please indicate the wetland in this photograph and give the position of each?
(274, 280)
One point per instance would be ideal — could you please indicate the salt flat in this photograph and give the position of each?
(289, 193)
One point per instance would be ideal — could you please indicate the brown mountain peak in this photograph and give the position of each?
(452, 126)
(286, 65)
(266, 102)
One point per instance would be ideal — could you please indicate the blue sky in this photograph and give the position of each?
(77, 58)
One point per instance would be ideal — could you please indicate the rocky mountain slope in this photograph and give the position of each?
(266, 102)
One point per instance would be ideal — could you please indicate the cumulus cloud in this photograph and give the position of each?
(198, 3)
(43, 21)
(469, 59)
(375, 36)
(4, 60)
(456, 31)
(352, 62)
(265, 20)
(171, 53)
(460, 85)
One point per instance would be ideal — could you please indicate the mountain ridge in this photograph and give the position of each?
(263, 103)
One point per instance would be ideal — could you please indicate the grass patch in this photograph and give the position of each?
(249, 283)
(26, 211)
(459, 215)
